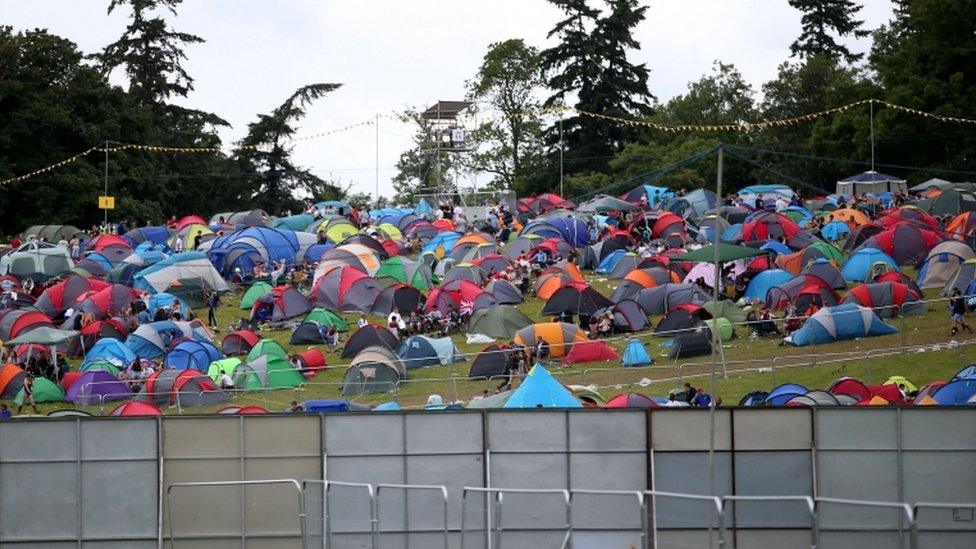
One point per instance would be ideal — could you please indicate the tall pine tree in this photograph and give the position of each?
(822, 19)
(590, 61)
(265, 152)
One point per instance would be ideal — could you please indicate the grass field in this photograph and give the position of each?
(750, 364)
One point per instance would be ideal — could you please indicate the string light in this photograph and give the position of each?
(558, 110)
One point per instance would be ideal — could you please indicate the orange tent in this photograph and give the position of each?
(11, 380)
(845, 215)
(559, 336)
(642, 278)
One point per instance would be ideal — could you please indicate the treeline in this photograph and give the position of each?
(56, 101)
(922, 58)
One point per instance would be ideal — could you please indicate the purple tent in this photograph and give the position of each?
(95, 387)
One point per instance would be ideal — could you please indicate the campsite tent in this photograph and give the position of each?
(254, 292)
(941, 263)
(859, 264)
(45, 390)
(195, 355)
(558, 336)
(888, 299)
(269, 371)
(490, 362)
(373, 370)
(577, 298)
(540, 390)
(419, 351)
(871, 182)
(847, 321)
(658, 300)
(635, 354)
(370, 335)
(590, 351)
(239, 343)
(96, 387)
(500, 322)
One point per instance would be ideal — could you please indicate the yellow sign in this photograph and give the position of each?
(106, 202)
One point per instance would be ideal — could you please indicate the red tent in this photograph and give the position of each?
(309, 361)
(136, 408)
(590, 351)
(190, 220)
(906, 243)
(631, 400)
(915, 216)
(242, 410)
(239, 343)
(768, 225)
(668, 223)
(103, 241)
(852, 387)
(56, 299)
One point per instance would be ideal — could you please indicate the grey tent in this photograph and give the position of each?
(603, 203)
(940, 264)
(828, 271)
(373, 370)
(500, 322)
(659, 300)
(691, 345)
(504, 291)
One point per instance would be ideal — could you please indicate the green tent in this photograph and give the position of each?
(325, 317)
(726, 253)
(499, 322)
(404, 271)
(725, 309)
(295, 223)
(102, 365)
(266, 372)
(45, 390)
(45, 335)
(252, 294)
(725, 331)
(830, 251)
(224, 366)
(268, 347)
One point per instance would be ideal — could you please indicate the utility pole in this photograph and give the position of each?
(105, 186)
(377, 161)
(562, 146)
(871, 106)
(715, 338)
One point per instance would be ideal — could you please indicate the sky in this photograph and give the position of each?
(394, 54)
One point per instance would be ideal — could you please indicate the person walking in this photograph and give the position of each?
(957, 306)
(28, 394)
(213, 302)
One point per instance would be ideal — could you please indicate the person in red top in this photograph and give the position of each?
(15, 242)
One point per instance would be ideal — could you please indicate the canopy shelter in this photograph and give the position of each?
(871, 182)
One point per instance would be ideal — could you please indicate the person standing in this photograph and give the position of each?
(213, 301)
(957, 306)
(28, 390)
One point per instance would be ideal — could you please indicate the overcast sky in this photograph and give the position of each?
(391, 54)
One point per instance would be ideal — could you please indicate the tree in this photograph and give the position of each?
(265, 151)
(590, 61)
(150, 52)
(821, 19)
(510, 146)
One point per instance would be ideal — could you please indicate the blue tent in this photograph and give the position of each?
(244, 247)
(733, 233)
(166, 301)
(420, 351)
(609, 262)
(445, 239)
(157, 235)
(392, 406)
(784, 393)
(857, 267)
(805, 215)
(969, 372)
(636, 355)
(192, 354)
(541, 390)
(423, 207)
(956, 392)
(835, 230)
(769, 192)
(846, 321)
(763, 281)
(315, 252)
(111, 350)
(776, 246)
(570, 229)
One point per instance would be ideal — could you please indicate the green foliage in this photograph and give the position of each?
(590, 62)
(510, 146)
(265, 152)
(420, 168)
(822, 19)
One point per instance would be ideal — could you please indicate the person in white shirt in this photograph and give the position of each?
(226, 382)
(362, 322)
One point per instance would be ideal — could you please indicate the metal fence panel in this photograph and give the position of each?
(769, 474)
(859, 429)
(688, 473)
(688, 429)
(772, 429)
(362, 434)
(858, 475)
(512, 431)
(588, 432)
(938, 429)
(607, 472)
(78, 481)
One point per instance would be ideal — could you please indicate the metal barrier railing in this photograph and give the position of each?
(641, 505)
(426, 487)
(714, 500)
(909, 514)
(283, 481)
(374, 533)
(497, 504)
(811, 507)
